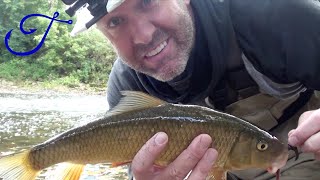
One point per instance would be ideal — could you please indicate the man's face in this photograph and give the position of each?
(154, 37)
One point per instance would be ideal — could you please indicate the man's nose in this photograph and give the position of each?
(142, 31)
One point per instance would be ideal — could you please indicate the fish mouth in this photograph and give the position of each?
(281, 161)
(278, 163)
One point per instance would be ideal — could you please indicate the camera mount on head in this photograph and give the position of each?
(97, 8)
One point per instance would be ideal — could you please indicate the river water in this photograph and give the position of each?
(29, 119)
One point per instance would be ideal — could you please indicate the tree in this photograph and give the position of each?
(87, 57)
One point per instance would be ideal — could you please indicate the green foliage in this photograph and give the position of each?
(86, 58)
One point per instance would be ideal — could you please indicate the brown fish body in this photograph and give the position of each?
(118, 137)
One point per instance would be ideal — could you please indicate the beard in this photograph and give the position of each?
(182, 36)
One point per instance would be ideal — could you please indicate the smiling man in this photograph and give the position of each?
(256, 59)
(152, 37)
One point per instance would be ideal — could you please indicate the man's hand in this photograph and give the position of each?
(307, 134)
(198, 157)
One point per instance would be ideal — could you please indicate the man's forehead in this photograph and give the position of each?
(112, 4)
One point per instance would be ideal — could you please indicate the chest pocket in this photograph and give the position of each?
(261, 109)
(264, 110)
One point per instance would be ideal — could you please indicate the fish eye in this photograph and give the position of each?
(262, 146)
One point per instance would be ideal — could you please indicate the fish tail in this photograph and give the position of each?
(68, 171)
(17, 166)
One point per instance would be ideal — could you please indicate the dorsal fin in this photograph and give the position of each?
(134, 100)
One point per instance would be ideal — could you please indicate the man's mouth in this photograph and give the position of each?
(157, 50)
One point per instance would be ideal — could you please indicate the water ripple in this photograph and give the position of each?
(28, 119)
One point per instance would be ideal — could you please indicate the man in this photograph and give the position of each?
(256, 59)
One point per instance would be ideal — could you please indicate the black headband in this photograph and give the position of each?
(97, 8)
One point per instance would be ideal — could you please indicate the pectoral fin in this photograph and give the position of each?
(116, 164)
(217, 174)
(69, 171)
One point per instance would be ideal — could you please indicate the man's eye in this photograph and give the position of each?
(115, 22)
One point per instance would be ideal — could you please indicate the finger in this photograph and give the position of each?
(305, 116)
(188, 159)
(143, 161)
(306, 129)
(290, 133)
(204, 166)
(302, 118)
(312, 144)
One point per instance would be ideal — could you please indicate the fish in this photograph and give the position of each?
(117, 136)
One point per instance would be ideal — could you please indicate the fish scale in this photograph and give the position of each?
(118, 136)
(123, 141)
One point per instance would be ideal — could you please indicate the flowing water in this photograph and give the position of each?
(29, 119)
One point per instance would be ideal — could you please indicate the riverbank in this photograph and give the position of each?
(28, 87)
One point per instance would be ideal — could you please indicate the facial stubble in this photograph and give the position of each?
(182, 36)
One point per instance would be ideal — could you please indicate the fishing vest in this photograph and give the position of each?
(242, 92)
